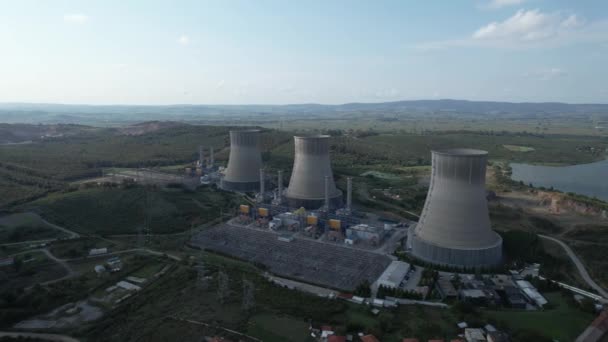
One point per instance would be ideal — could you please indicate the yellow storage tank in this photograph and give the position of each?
(334, 224)
(263, 212)
(312, 220)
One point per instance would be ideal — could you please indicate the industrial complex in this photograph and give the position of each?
(307, 232)
(454, 228)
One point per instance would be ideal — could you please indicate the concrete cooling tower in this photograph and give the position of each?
(244, 163)
(454, 228)
(311, 178)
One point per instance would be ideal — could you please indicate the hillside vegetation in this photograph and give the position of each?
(107, 211)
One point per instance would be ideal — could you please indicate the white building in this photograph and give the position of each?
(474, 335)
(394, 274)
(532, 293)
(98, 251)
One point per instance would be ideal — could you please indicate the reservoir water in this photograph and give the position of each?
(585, 179)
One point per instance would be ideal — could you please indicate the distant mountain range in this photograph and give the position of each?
(91, 114)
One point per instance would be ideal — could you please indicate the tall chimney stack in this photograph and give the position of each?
(280, 186)
(262, 190)
(211, 157)
(349, 193)
(201, 155)
(327, 193)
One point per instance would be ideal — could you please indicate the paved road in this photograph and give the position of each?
(579, 265)
(48, 337)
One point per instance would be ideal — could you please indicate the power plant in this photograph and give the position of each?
(454, 228)
(312, 184)
(244, 163)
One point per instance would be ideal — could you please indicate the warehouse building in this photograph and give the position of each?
(394, 274)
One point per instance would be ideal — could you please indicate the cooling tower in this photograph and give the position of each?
(244, 163)
(310, 167)
(454, 228)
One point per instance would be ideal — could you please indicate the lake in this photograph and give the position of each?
(585, 179)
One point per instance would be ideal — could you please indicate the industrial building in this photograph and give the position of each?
(531, 293)
(394, 274)
(244, 163)
(454, 228)
(372, 235)
(312, 184)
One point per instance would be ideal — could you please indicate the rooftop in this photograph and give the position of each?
(317, 136)
(461, 152)
(369, 338)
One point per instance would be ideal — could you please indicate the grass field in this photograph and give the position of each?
(25, 227)
(272, 328)
(35, 268)
(564, 323)
(431, 122)
(546, 149)
(516, 148)
(76, 248)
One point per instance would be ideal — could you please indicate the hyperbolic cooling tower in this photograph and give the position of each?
(244, 163)
(311, 165)
(454, 228)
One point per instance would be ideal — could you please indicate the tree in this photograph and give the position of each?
(364, 289)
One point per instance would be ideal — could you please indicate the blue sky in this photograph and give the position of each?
(278, 52)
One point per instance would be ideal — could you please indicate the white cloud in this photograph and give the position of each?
(183, 40)
(529, 28)
(497, 4)
(75, 18)
(524, 25)
(572, 21)
(546, 74)
(220, 84)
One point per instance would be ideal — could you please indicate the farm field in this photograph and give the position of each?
(564, 322)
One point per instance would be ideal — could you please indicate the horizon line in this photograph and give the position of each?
(292, 104)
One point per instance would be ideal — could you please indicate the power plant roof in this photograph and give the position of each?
(462, 152)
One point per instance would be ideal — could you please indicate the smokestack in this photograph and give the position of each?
(211, 157)
(327, 193)
(280, 186)
(310, 167)
(201, 155)
(262, 190)
(454, 228)
(349, 193)
(244, 163)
